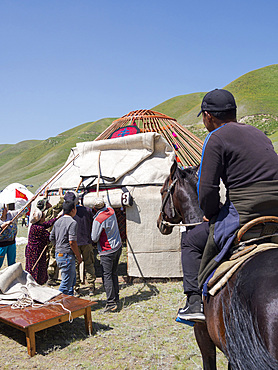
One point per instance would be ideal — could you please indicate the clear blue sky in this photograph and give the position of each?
(65, 62)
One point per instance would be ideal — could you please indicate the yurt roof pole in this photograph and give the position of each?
(37, 194)
(186, 145)
(79, 184)
(98, 177)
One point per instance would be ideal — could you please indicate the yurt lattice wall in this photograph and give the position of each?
(187, 146)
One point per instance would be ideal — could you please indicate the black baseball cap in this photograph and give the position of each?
(218, 100)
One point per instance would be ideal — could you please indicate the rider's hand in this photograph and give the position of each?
(205, 219)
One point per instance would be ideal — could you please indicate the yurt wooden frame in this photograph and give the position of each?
(187, 146)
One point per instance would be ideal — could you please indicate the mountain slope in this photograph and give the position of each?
(34, 161)
(41, 159)
(255, 93)
(9, 152)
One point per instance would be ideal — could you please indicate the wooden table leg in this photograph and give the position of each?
(88, 321)
(31, 341)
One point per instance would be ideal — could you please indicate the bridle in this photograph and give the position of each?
(173, 210)
(169, 196)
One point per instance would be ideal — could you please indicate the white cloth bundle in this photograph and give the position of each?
(15, 282)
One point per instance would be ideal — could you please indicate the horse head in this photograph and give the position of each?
(179, 199)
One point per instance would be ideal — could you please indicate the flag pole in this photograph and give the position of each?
(39, 258)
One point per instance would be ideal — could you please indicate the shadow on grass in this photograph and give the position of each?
(54, 338)
(84, 292)
(141, 295)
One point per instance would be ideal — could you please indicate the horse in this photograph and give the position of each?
(242, 318)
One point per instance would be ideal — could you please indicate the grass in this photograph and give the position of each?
(256, 91)
(274, 139)
(142, 335)
(177, 106)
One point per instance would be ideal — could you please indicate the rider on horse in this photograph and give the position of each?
(244, 158)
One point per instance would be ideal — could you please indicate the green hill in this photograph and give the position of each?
(35, 161)
(41, 159)
(256, 97)
(9, 152)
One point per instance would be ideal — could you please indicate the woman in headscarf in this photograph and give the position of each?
(35, 252)
(7, 237)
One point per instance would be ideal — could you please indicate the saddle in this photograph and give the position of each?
(254, 237)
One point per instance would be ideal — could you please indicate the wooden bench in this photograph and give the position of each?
(33, 319)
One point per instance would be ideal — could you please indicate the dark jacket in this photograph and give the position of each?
(246, 161)
(239, 154)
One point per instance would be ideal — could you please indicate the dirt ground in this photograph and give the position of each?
(142, 335)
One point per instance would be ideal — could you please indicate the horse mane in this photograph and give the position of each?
(188, 174)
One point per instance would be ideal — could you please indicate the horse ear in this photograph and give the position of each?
(195, 169)
(173, 169)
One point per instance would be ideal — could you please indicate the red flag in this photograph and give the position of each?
(19, 194)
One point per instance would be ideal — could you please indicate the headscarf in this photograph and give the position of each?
(36, 216)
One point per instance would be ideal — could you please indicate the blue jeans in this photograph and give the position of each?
(66, 263)
(10, 250)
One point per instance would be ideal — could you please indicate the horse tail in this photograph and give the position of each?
(245, 347)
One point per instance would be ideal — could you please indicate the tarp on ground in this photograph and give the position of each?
(15, 283)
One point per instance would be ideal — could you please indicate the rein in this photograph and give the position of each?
(187, 225)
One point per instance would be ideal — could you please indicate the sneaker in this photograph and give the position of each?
(110, 308)
(52, 282)
(193, 310)
(92, 290)
(76, 292)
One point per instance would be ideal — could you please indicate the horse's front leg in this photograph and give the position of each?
(206, 345)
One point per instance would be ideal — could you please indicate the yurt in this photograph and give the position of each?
(127, 165)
